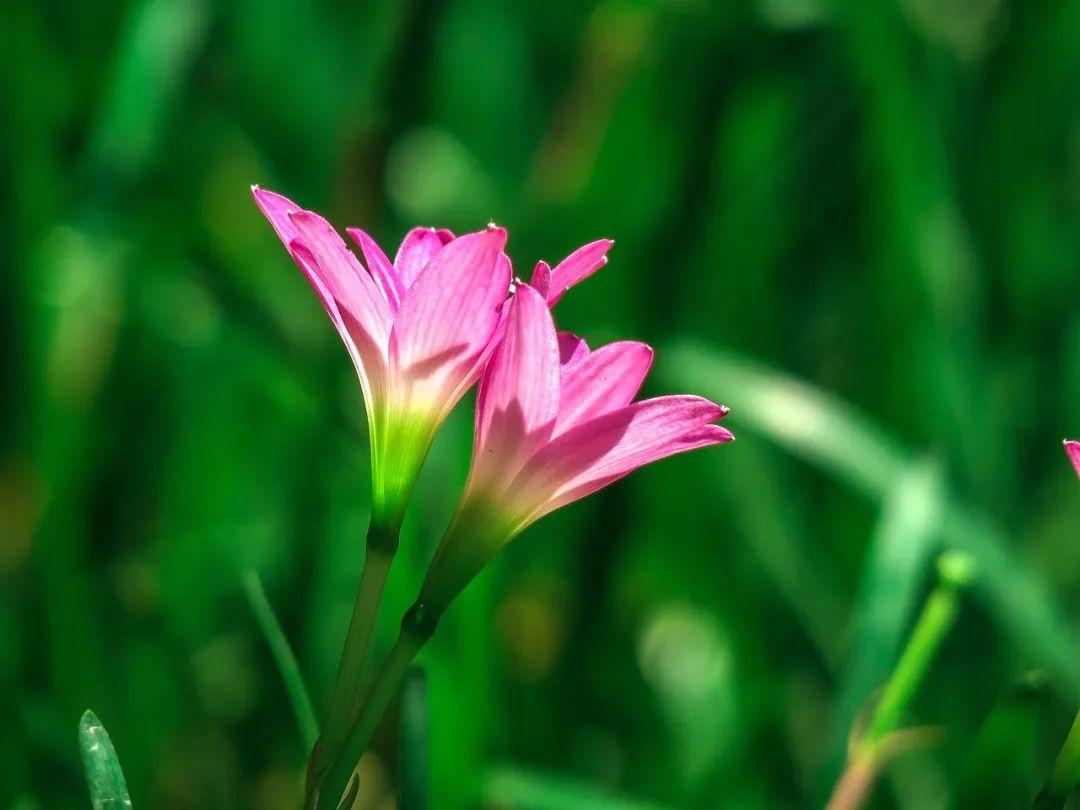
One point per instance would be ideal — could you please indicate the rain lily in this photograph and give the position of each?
(418, 329)
(554, 423)
(1073, 449)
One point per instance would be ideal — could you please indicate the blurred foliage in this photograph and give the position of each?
(876, 199)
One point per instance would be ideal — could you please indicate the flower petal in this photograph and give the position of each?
(572, 350)
(381, 270)
(597, 452)
(577, 267)
(355, 306)
(418, 248)
(277, 208)
(518, 400)
(606, 380)
(355, 291)
(541, 278)
(1073, 449)
(365, 317)
(446, 321)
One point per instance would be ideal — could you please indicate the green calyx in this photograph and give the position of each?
(399, 445)
(480, 528)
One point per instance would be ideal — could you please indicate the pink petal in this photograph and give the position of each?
(482, 359)
(597, 452)
(353, 289)
(572, 350)
(382, 271)
(310, 267)
(417, 249)
(355, 306)
(541, 278)
(606, 380)
(1073, 449)
(447, 319)
(519, 395)
(577, 267)
(277, 208)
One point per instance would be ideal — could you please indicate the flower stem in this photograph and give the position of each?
(884, 738)
(416, 628)
(937, 619)
(382, 544)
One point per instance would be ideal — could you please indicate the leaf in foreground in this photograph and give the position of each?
(104, 776)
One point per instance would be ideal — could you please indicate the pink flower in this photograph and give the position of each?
(554, 423)
(1073, 449)
(418, 329)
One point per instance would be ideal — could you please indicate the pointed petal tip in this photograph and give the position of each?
(260, 193)
(711, 434)
(1072, 447)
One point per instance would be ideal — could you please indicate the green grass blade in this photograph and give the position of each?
(154, 58)
(845, 443)
(284, 657)
(104, 776)
(817, 427)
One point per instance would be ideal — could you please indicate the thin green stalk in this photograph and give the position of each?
(283, 657)
(937, 619)
(381, 546)
(884, 738)
(416, 629)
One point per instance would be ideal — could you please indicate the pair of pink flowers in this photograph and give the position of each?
(554, 420)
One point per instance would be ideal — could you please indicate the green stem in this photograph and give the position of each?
(416, 628)
(937, 619)
(884, 737)
(382, 544)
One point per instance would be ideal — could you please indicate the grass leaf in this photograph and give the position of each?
(104, 776)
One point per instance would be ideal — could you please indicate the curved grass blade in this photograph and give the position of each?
(847, 444)
(104, 776)
(811, 424)
(284, 657)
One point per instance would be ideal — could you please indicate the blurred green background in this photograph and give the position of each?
(857, 223)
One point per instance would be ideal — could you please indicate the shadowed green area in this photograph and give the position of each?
(856, 223)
